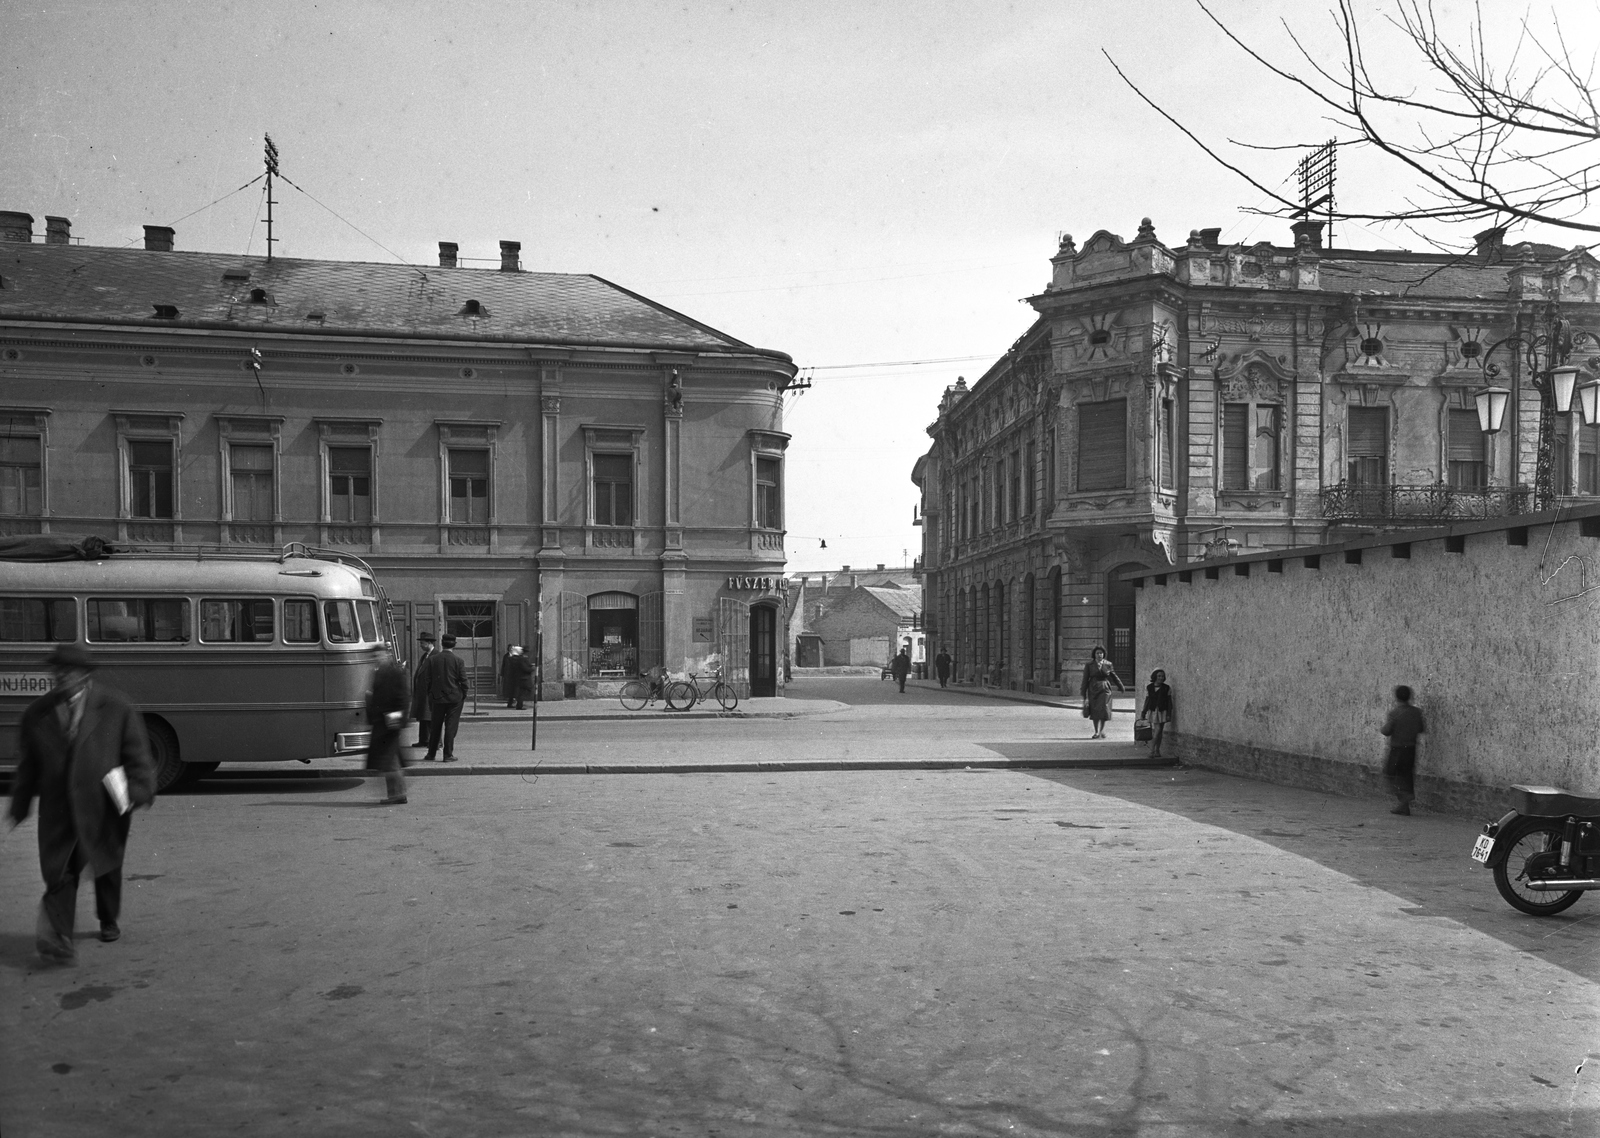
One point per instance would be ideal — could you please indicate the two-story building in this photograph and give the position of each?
(516, 453)
(1175, 403)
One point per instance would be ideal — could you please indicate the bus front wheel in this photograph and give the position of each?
(164, 751)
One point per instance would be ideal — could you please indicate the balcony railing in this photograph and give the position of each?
(1437, 502)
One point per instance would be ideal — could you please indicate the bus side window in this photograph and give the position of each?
(340, 617)
(300, 622)
(366, 613)
(38, 618)
(139, 620)
(242, 621)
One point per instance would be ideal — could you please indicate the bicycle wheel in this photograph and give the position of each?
(682, 695)
(635, 694)
(726, 696)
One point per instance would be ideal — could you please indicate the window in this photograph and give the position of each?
(38, 619)
(1049, 472)
(1169, 446)
(300, 622)
(340, 617)
(143, 620)
(469, 486)
(367, 620)
(613, 634)
(613, 489)
(150, 479)
(21, 476)
(350, 485)
(250, 472)
(1030, 476)
(1014, 505)
(1250, 446)
(1466, 468)
(1588, 463)
(236, 621)
(769, 494)
(1103, 445)
(973, 499)
(999, 488)
(1367, 446)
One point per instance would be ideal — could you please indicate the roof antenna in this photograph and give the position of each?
(272, 169)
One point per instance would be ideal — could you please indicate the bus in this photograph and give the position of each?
(230, 657)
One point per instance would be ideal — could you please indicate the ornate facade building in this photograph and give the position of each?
(1173, 404)
(513, 452)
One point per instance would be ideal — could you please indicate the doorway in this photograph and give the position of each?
(763, 650)
(1120, 622)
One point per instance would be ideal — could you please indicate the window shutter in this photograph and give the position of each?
(1466, 440)
(1236, 446)
(1369, 432)
(1103, 445)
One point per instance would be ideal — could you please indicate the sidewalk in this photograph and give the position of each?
(763, 707)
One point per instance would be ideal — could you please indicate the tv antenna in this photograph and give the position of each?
(1316, 183)
(271, 159)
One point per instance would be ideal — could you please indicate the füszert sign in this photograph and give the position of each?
(760, 583)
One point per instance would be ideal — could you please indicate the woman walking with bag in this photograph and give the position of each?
(1098, 676)
(1157, 712)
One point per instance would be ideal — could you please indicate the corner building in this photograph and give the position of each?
(1171, 406)
(513, 452)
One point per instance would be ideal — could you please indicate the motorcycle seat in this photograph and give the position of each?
(1551, 802)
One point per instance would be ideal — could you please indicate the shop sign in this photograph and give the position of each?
(761, 583)
(702, 630)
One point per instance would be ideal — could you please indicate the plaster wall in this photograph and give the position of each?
(1288, 675)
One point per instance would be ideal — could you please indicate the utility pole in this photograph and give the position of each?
(272, 170)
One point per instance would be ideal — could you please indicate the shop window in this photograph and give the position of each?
(469, 485)
(22, 475)
(1103, 445)
(613, 635)
(1467, 468)
(350, 485)
(613, 489)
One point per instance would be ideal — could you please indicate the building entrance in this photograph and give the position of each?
(763, 650)
(1119, 624)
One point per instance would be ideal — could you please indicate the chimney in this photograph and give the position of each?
(15, 226)
(57, 230)
(1210, 237)
(880, 567)
(1308, 231)
(447, 254)
(158, 238)
(1490, 243)
(855, 580)
(510, 256)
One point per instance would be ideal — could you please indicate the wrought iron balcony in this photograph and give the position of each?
(1436, 502)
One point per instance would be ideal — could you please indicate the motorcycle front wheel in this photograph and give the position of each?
(1535, 847)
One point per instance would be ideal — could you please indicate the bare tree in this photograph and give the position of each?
(1486, 134)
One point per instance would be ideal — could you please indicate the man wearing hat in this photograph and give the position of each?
(71, 739)
(447, 691)
(421, 709)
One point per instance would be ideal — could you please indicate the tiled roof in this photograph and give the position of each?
(902, 602)
(123, 286)
(1408, 278)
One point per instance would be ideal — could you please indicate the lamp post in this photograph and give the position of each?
(1546, 353)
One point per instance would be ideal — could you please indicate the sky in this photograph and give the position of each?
(850, 183)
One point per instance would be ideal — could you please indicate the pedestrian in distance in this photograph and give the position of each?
(1403, 725)
(941, 665)
(900, 668)
(522, 677)
(1157, 710)
(387, 704)
(1098, 676)
(447, 692)
(421, 709)
(86, 758)
(508, 675)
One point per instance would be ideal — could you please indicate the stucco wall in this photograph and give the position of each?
(1288, 675)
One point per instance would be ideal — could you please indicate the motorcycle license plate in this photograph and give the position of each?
(1482, 848)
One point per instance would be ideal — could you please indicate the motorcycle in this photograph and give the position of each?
(1545, 851)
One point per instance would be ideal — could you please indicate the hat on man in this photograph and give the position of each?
(448, 641)
(70, 656)
(428, 636)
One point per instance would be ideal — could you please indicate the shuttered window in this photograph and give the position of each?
(1169, 444)
(1367, 446)
(1103, 445)
(1588, 463)
(1236, 446)
(1465, 467)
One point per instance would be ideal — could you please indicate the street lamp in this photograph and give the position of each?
(1491, 403)
(1546, 354)
(1589, 402)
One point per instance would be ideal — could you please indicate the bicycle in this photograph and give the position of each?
(639, 694)
(684, 694)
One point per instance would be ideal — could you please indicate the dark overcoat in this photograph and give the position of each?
(522, 671)
(900, 666)
(74, 805)
(420, 708)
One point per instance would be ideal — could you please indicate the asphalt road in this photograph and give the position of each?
(881, 953)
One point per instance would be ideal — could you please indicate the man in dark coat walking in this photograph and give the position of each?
(421, 711)
(508, 675)
(387, 704)
(900, 668)
(941, 665)
(447, 691)
(71, 739)
(522, 677)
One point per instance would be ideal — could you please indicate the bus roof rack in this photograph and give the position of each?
(70, 547)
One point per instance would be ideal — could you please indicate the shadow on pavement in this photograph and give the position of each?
(1422, 859)
(266, 783)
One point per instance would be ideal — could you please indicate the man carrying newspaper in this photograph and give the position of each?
(85, 757)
